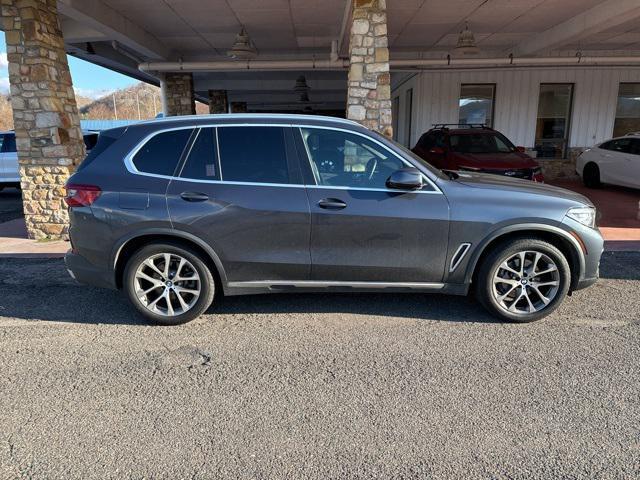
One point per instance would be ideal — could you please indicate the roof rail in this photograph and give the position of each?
(462, 125)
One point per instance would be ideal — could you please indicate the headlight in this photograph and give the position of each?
(584, 215)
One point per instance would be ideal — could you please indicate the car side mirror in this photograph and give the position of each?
(520, 149)
(405, 179)
(437, 151)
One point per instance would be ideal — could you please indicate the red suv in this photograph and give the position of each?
(476, 148)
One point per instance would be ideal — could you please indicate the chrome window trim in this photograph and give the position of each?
(131, 168)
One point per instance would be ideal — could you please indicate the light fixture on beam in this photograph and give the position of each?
(466, 43)
(242, 48)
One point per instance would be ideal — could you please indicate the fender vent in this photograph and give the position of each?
(459, 255)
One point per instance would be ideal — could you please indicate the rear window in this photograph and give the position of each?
(103, 141)
(253, 154)
(161, 153)
(480, 143)
(90, 140)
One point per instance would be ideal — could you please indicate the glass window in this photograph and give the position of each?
(160, 155)
(408, 106)
(552, 126)
(202, 162)
(344, 159)
(8, 143)
(476, 104)
(395, 116)
(628, 110)
(622, 145)
(253, 154)
(480, 143)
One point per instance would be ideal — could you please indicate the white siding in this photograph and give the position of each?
(436, 95)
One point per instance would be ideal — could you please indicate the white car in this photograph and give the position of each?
(616, 161)
(9, 173)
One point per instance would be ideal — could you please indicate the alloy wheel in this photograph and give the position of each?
(167, 284)
(526, 282)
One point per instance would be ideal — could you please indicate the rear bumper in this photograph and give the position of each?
(85, 272)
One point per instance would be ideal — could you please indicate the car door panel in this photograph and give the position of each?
(370, 233)
(379, 236)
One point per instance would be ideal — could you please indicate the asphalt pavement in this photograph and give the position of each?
(317, 386)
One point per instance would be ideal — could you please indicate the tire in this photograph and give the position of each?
(187, 273)
(492, 280)
(591, 176)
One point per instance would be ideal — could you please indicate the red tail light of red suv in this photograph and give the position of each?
(79, 195)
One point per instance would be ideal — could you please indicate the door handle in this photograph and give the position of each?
(194, 196)
(331, 204)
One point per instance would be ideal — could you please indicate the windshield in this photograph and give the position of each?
(415, 157)
(481, 143)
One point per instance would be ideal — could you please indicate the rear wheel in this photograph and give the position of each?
(168, 284)
(591, 176)
(523, 280)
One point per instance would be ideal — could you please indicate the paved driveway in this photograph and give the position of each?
(317, 386)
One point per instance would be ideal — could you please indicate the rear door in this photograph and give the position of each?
(615, 164)
(361, 230)
(241, 191)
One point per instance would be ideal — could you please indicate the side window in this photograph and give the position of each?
(8, 143)
(439, 140)
(253, 154)
(160, 155)
(202, 162)
(635, 146)
(622, 145)
(344, 159)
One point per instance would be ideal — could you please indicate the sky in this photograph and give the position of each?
(89, 80)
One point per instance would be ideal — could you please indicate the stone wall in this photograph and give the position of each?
(565, 168)
(369, 89)
(178, 94)
(238, 107)
(45, 113)
(218, 101)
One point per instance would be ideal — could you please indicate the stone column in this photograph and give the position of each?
(238, 107)
(218, 101)
(178, 94)
(45, 113)
(369, 94)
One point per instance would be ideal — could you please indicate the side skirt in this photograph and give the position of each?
(282, 286)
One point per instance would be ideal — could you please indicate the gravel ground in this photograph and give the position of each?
(317, 386)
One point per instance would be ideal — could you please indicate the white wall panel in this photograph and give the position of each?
(436, 95)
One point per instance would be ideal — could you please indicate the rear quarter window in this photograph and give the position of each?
(161, 153)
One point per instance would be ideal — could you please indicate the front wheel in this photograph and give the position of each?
(168, 284)
(523, 280)
(591, 176)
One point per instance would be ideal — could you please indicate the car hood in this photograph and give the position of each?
(496, 182)
(495, 160)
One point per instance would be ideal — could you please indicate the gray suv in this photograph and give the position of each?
(179, 211)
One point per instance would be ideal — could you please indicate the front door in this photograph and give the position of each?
(361, 230)
(240, 190)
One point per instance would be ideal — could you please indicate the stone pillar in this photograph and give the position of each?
(45, 113)
(178, 94)
(238, 107)
(369, 94)
(218, 101)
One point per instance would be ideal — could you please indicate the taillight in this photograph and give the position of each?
(537, 175)
(81, 195)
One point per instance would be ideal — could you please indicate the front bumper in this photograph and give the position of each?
(86, 273)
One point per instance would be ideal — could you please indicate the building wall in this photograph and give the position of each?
(436, 95)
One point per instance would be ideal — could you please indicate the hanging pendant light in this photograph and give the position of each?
(242, 48)
(302, 89)
(466, 43)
